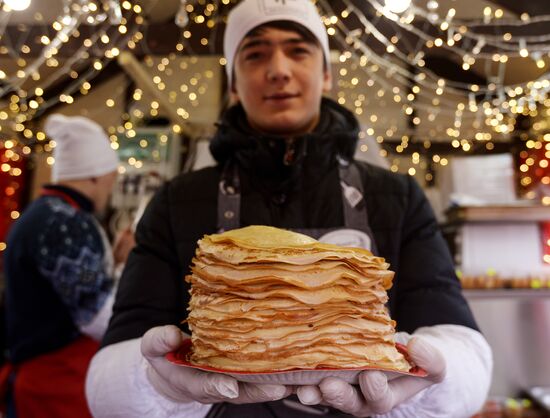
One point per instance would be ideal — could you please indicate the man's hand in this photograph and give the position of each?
(377, 395)
(186, 385)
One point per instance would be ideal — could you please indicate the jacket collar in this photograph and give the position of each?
(278, 160)
(82, 201)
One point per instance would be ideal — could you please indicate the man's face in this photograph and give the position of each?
(279, 80)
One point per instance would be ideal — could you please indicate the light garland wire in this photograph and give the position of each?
(88, 75)
(404, 58)
(495, 93)
(493, 103)
(75, 13)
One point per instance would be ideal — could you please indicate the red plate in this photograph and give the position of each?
(294, 376)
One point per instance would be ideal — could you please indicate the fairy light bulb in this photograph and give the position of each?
(397, 6)
(523, 51)
(17, 4)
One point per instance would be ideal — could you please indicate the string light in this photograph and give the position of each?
(32, 93)
(430, 103)
(12, 181)
(500, 108)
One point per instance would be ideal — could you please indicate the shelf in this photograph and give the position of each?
(504, 213)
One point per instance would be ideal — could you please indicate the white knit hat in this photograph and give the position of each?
(251, 13)
(82, 148)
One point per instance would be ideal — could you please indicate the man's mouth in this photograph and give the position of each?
(281, 96)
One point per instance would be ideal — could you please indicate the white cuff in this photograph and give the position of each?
(464, 390)
(117, 387)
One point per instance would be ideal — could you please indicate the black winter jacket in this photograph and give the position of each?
(287, 184)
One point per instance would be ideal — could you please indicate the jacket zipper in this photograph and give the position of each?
(290, 151)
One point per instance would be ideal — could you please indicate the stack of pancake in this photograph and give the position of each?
(267, 299)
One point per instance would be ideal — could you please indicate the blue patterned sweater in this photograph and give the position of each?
(56, 280)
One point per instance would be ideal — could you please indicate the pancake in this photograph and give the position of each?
(267, 299)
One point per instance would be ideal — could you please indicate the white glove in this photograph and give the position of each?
(181, 384)
(377, 394)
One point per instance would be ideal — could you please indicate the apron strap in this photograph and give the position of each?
(229, 199)
(355, 207)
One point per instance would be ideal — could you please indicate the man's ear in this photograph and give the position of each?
(327, 81)
(233, 96)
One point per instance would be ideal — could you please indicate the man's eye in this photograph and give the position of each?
(301, 51)
(253, 56)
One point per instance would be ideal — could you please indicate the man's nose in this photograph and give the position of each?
(279, 67)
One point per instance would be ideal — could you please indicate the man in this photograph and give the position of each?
(59, 275)
(285, 159)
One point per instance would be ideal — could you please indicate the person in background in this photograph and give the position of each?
(59, 269)
(285, 159)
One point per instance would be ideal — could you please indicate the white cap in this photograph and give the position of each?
(251, 13)
(82, 150)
